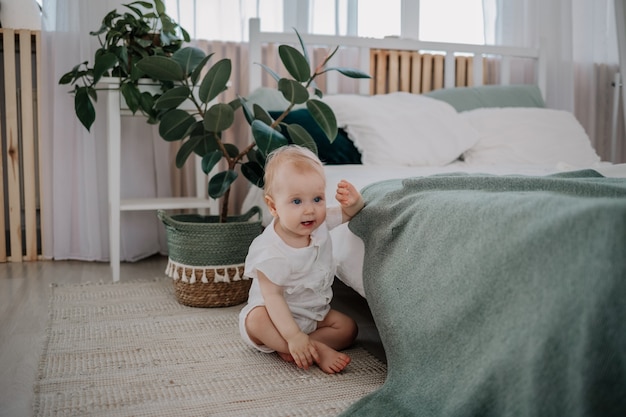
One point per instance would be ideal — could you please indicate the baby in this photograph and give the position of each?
(288, 308)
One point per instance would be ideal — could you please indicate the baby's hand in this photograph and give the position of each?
(347, 195)
(350, 199)
(302, 350)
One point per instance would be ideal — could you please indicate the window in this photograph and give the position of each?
(430, 20)
(457, 21)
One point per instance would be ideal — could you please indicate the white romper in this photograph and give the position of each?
(306, 274)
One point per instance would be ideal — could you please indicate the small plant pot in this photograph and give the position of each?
(206, 258)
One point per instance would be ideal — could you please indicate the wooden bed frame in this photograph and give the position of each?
(410, 65)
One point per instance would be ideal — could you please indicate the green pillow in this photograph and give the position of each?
(341, 151)
(470, 98)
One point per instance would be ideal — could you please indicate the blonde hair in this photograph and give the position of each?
(298, 156)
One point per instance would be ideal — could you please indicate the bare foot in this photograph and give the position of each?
(331, 361)
(286, 357)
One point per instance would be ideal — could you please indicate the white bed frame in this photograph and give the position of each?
(365, 45)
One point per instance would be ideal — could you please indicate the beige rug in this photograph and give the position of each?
(131, 349)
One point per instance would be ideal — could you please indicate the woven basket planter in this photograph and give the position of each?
(206, 257)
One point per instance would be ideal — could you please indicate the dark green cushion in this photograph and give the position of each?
(341, 151)
(469, 98)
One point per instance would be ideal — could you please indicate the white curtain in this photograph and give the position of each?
(74, 161)
(580, 41)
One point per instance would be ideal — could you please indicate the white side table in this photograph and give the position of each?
(116, 109)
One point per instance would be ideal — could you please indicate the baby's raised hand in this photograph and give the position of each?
(347, 195)
(350, 199)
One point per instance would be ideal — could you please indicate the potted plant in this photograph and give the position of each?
(144, 29)
(201, 131)
(207, 253)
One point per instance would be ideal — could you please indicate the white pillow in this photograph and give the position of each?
(528, 136)
(402, 128)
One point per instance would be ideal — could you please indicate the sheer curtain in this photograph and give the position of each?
(580, 40)
(74, 161)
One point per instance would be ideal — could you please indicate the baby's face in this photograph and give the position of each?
(298, 203)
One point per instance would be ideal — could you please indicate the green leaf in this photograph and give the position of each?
(189, 58)
(295, 63)
(198, 70)
(210, 160)
(84, 107)
(132, 96)
(159, 6)
(293, 91)
(161, 68)
(185, 150)
(304, 52)
(173, 98)
(174, 124)
(231, 150)
(271, 72)
(215, 81)
(219, 117)
(300, 136)
(102, 65)
(262, 115)
(221, 182)
(254, 173)
(246, 110)
(324, 116)
(349, 72)
(207, 140)
(146, 102)
(266, 138)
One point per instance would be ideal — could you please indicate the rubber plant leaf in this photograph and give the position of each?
(266, 138)
(246, 110)
(324, 116)
(304, 52)
(270, 72)
(261, 114)
(175, 124)
(300, 136)
(210, 160)
(185, 150)
(231, 150)
(253, 172)
(221, 182)
(196, 72)
(189, 58)
(295, 63)
(219, 117)
(161, 68)
(293, 91)
(215, 81)
(349, 72)
(173, 98)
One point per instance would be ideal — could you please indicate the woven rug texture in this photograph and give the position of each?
(130, 349)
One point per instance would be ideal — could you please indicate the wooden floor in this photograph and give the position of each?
(24, 293)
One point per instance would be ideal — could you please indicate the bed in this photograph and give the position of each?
(492, 248)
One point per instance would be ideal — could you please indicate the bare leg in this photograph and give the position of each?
(337, 331)
(262, 331)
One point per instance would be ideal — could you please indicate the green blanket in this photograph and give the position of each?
(497, 295)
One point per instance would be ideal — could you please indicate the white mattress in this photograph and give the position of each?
(348, 249)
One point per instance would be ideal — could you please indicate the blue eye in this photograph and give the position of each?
(317, 199)
(297, 201)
